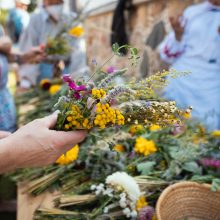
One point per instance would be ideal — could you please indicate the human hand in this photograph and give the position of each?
(177, 27)
(35, 55)
(36, 145)
(5, 45)
(4, 134)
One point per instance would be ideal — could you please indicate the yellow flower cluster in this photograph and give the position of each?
(76, 31)
(98, 93)
(106, 115)
(216, 133)
(144, 146)
(187, 115)
(155, 127)
(69, 156)
(75, 119)
(119, 148)
(54, 89)
(141, 203)
(136, 128)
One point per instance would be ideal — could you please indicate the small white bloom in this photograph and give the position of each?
(98, 192)
(122, 195)
(105, 210)
(133, 214)
(108, 192)
(127, 212)
(122, 204)
(93, 187)
(127, 182)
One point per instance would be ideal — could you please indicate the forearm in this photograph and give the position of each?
(17, 58)
(8, 158)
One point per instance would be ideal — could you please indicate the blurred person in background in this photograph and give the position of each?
(18, 19)
(46, 22)
(7, 107)
(194, 46)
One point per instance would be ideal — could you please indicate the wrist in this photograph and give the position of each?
(8, 158)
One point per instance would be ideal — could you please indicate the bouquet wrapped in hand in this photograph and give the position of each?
(100, 103)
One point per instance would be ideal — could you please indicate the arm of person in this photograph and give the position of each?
(174, 44)
(5, 45)
(171, 49)
(28, 148)
(34, 55)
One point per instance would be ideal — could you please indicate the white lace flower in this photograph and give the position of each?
(128, 184)
(127, 212)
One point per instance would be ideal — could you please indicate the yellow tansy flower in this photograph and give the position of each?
(216, 133)
(69, 157)
(141, 203)
(54, 89)
(136, 128)
(155, 128)
(187, 115)
(144, 146)
(76, 31)
(119, 148)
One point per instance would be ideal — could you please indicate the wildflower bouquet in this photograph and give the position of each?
(100, 103)
(61, 44)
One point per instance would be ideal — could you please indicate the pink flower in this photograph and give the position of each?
(73, 86)
(215, 163)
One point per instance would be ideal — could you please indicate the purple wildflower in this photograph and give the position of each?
(110, 69)
(146, 213)
(73, 86)
(209, 162)
(94, 62)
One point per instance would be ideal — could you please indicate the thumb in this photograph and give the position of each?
(4, 134)
(51, 120)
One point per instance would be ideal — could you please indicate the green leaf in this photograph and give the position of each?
(215, 185)
(192, 167)
(115, 47)
(146, 167)
(134, 51)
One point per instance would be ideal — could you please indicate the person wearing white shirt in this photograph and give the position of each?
(47, 21)
(194, 46)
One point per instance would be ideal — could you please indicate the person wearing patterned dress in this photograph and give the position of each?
(194, 46)
(7, 106)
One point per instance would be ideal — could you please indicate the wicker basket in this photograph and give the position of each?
(188, 201)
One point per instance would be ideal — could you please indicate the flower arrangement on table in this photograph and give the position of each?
(95, 181)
